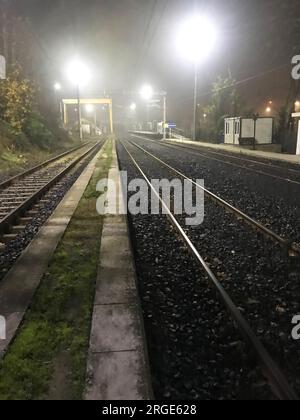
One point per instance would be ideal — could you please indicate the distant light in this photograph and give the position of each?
(197, 38)
(57, 86)
(271, 102)
(133, 107)
(268, 110)
(147, 92)
(297, 104)
(204, 115)
(78, 73)
(89, 108)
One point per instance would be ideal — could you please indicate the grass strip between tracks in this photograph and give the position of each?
(48, 358)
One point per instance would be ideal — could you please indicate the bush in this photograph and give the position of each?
(37, 132)
(17, 100)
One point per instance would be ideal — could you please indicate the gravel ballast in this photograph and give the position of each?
(194, 350)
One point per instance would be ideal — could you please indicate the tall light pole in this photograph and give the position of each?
(132, 115)
(57, 88)
(195, 125)
(164, 116)
(79, 75)
(196, 39)
(91, 109)
(147, 93)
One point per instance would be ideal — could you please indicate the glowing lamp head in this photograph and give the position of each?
(57, 87)
(78, 73)
(197, 38)
(268, 110)
(133, 107)
(147, 92)
(89, 108)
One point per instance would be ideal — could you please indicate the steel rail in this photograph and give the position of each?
(16, 213)
(291, 250)
(270, 370)
(189, 148)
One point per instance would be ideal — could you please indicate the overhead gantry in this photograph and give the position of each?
(100, 101)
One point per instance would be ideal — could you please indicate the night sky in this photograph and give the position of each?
(128, 42)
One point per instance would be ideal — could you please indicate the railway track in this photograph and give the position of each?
(21, 195)
(289, 248)
(243, 165)
(276, 379)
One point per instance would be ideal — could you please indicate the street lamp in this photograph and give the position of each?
(133, 107)
(57, 88)
(92, 109)
(196, 39)
(147, 93)
(89, 108)
(79, 75)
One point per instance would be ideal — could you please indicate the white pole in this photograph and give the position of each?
(61, 111)
(79, 114)
(164, 117)
(195, 103)
(298, 140)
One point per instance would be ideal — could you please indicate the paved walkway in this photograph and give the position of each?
(294, 159)
(117, 362)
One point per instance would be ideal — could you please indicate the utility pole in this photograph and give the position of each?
(194, 134)
(79, 114)
(164, 116)
(195, 103)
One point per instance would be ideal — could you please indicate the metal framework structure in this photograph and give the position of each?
(101, 101)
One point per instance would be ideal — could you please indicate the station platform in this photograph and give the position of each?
(117, 361)
(279, 157)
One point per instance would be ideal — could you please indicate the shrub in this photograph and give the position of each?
(37, 132)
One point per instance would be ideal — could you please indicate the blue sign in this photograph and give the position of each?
(172, 125)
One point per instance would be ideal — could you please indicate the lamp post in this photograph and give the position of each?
(57, 88)
(165, 116)
(147, 93)
(79, 114)
(79, 75)
(132, 115)
(195, 103)
(196, 39)
(91, 109)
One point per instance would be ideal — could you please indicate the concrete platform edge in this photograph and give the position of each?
(118, 365)
(279, 157)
